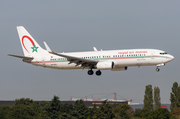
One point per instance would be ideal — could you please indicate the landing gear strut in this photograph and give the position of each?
(157, 69)
(98, 73)
(90, 72)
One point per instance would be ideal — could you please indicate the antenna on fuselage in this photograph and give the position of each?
(95, 49)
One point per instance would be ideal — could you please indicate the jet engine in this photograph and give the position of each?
(105, 65)
(109, 65)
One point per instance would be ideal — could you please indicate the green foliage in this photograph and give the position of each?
(29, 109)
(21, 111)
(175, 96)
(53, 108)
(23, 101)
(124, 111)
(80, 111)
(28, 105)
(65, 111)
(66, 108)
(148, 98)
(105, 111)
(43, 115)
(137, 113)
(128, 109)
(142, 113)
(44, 105)
(123, 114)
(161, 113)
(4, 109)
(94, 112)
(157, 99)
(125, 107)
(176, 111)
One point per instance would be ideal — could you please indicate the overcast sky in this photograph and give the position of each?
(80, 25)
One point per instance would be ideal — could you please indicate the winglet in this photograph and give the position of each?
(47, 47)
(95, 49)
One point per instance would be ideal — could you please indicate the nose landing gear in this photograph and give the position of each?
(157, 69)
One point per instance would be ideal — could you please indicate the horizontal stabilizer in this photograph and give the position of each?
(22, 57)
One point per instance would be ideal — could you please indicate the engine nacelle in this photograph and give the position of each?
(119, 69)
(109, 65)
(105, 65)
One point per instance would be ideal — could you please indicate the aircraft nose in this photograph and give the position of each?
(172, 57)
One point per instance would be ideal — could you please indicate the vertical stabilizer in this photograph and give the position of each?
(29, 45)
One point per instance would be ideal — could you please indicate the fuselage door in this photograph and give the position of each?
(152, 54)
(43, 61)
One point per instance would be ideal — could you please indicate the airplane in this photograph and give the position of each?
(114, 60)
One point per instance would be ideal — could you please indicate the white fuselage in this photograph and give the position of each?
(121, 58)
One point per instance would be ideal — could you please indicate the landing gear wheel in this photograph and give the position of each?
(98, 73)
(157, 69)
(90, 72)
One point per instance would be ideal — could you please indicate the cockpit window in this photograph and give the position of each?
(163, 53)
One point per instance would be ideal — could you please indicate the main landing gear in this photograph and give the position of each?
(98, 73)
(91, 72)
(157, 69)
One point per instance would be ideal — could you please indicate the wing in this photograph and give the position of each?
(22, 57)
(77, 60)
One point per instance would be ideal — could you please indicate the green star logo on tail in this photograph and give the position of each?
(34, 48)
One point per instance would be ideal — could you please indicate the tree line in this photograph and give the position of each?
(26, 108)
(152, 105)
